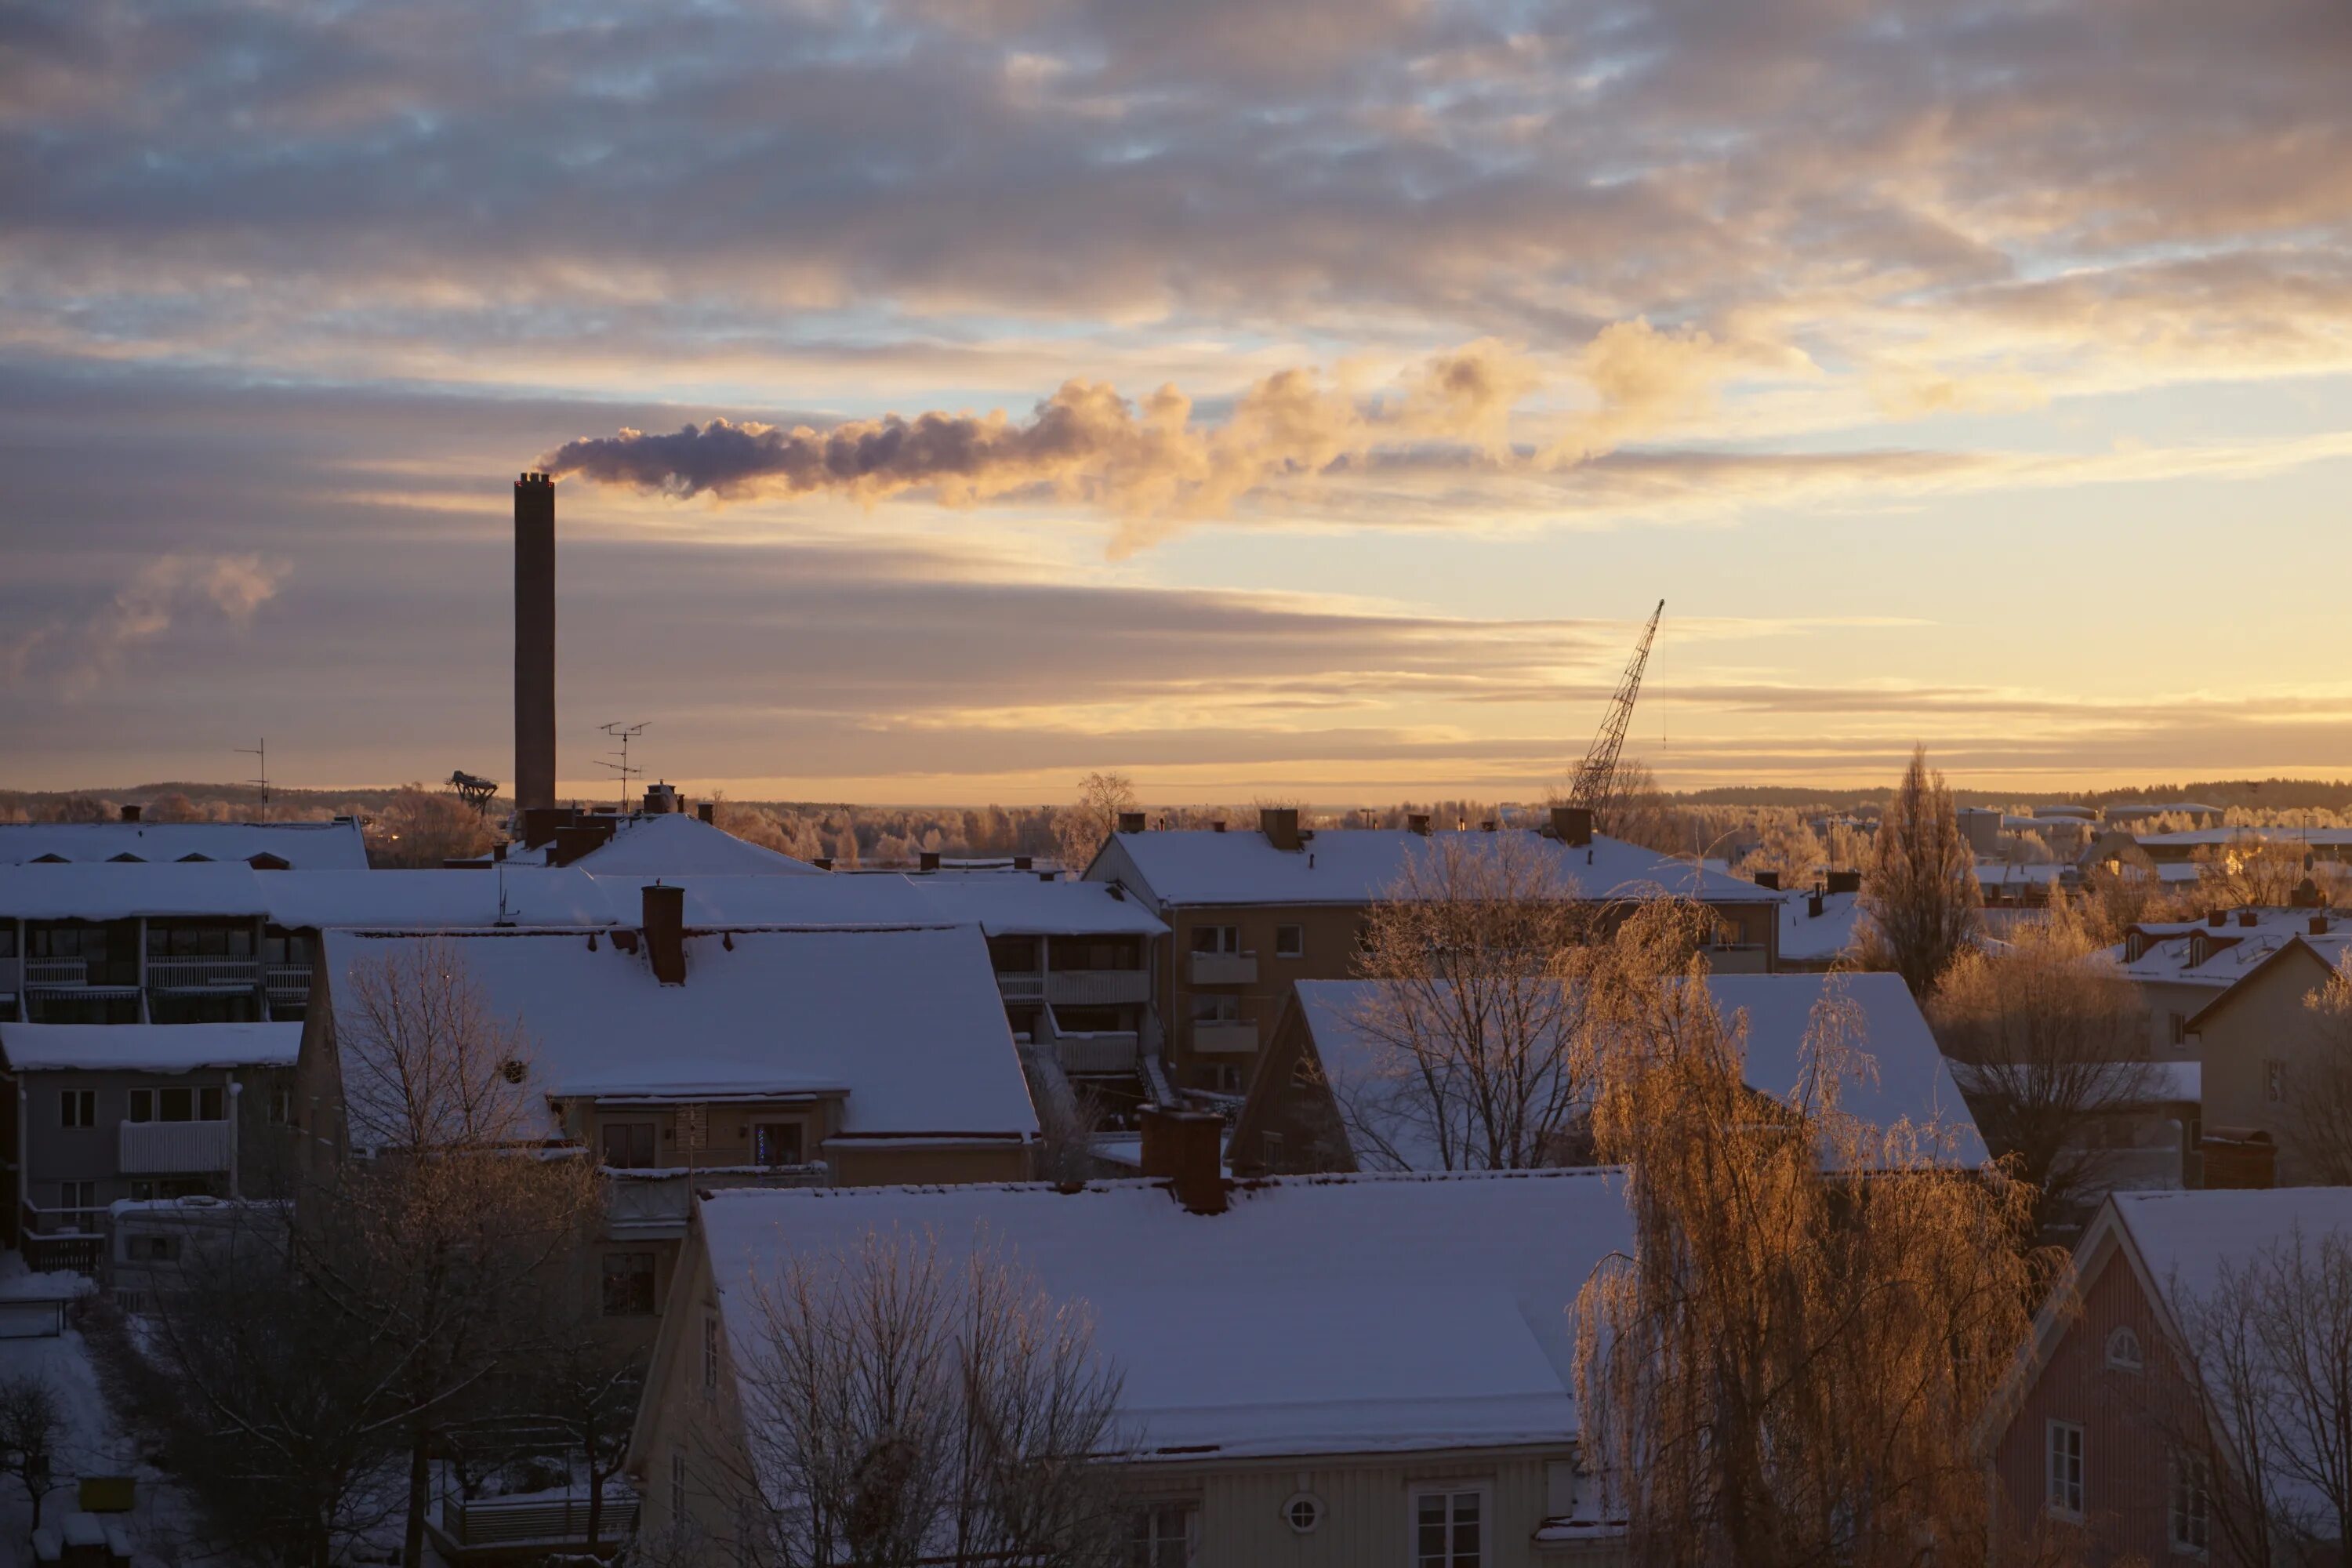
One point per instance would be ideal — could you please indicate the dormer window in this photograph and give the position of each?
(2134, 947)
(2123, 1350)
(2200, 950)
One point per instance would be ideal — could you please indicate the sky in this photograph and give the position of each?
(1257, 397)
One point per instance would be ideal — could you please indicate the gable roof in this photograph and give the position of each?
(1910, 1077)
(1382, 1313)
(307, 845)
(906, 1023)
(671, 845)
(147, 1048)
(1359, 865)
(2327, 951)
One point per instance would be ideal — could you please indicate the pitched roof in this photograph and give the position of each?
(670, 845)
(147, 1048)
(1909, 1078)
(906, 1023)
(306, 846)
(1359, 865)
(1806, 937)
(1375, 1313)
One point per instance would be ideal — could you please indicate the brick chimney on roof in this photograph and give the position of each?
(1280, 825)
(1572, 826)
(534, 631)
(663, 922)
(1185, 1149)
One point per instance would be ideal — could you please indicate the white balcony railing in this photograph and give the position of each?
(1109, 1051)
(1097, 987)
(1014, 986)
(288, 979)
(1223, 968)
(70, 971)
(174, 1147)
(636, 1202)
(1224, 1037)
(203, 973)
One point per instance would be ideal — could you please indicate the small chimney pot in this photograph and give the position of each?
(706, 811)
(2248, 919)
(2217, 919)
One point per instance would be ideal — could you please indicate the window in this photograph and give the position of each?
(2179, 1027)
(82, 1195)
(2123, 1350)
(1447, 1530)
(1208, 1009)
(177, 1104)
(2191, 1507)
(281, 1107)
(1290, 941)
(1271, 1151)
(776, 1143)
(629, 1145)
(710, 1353)
(1163, 1537)
(2275, 1081)
(2065, 1469)
(1302, 1513)
(628, 1284)
(78, 1107)
(677, 1487)
(1217, 939)
(142, 1192)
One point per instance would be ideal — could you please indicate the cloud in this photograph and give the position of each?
(81, 656)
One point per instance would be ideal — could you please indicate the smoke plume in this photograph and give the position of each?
(1149, 463)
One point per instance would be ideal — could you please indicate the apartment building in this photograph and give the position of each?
(104, 1114)
(1403, 1391)
(683, 1058)
(1251, 914)
(2268, 1062)
(2103, 1441)
(334, 846)
(2183, 967)
(1333, 1095)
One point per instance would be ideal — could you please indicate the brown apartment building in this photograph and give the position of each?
(1251, 914)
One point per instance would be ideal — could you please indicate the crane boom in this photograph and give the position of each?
(1596, 777)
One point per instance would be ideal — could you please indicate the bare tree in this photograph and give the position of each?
(2051, 1035)
(582, 1382)
(1471, 1033)
(1788, 1372)
(903, 1408)
(1081, 827)
(1920, 896)
(463, 1200)
(2315, 1110)
(2268, 1355)
(31, 1422)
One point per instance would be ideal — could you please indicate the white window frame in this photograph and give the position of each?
(1295, 935)
(1190, 1512)
(1224, 942)
(78, 1110)
(2189, 1505)
(2124, 1353)
(1449, 1490)
(2061, 1506)
(151, 1100)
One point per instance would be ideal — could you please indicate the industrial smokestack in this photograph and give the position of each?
(534, 627)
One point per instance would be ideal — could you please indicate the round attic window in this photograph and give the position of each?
(1302, 1513)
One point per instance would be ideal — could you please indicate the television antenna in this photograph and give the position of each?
(623, 733)
(260, 752)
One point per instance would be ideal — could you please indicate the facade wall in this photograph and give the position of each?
(853, 1166)
(2264, 1021)
(2131, 1421)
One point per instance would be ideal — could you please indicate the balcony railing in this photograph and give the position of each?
(175, 1147)
(1223, 968)
(1108, 1051)
(203, 973)
(1225, 1037)
(1097, 987)
(639, 1201)
(67, 971)
(288, 979)
(1014, 986)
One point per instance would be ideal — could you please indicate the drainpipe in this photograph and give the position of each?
(235, 1105)
(24, 1160)
(143, 1016)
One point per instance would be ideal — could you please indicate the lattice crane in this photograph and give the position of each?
(1595, 785)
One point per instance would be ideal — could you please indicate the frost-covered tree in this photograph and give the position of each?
(1919, 897)
(1080, 827)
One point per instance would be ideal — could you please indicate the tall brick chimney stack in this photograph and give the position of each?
(534, 627)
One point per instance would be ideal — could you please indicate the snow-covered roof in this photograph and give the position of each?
(906, 1023)
(670, 845)
(1806, 937)
(2002, 874)
(1317, 1315)
(2170, 949)
(2213, 837)
(147, 1048)
(1358, 866)
(1027, 906)
(305, 846)
(1909, 1079)
(424, 901)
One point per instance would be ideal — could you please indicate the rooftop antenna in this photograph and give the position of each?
(262, 755)
(624, 734)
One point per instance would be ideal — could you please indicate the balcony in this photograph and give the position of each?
(172, 1147)
(67, 974)
(1223, 968)
(291, 980)
(648, 1203)
(1109, 1051)
(1016, 985)
(1097, 987)
(1224, 1037)
(203, 973)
